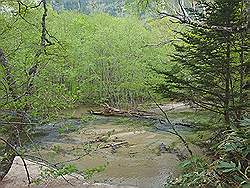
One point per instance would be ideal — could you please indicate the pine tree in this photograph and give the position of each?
(210, 62)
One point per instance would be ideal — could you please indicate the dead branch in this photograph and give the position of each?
(172, 126)
(114, 145)
(184, 18)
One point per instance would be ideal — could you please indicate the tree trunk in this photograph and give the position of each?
(242, 70)
(227, 83)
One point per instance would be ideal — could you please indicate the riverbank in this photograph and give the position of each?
(132, 151)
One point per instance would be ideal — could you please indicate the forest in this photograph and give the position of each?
(131, 93)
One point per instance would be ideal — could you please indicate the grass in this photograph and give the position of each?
(198, 117)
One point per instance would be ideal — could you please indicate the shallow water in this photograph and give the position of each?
(138, 162)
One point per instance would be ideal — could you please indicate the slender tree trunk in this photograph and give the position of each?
(227, 83)
(242, 70)
(238, 111)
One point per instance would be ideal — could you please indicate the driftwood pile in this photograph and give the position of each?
(111, 111)
(139, 114)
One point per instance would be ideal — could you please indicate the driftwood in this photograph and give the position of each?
(111, 111)
(114, 145)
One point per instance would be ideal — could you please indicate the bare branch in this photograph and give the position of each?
(172, 126)
(18, 154)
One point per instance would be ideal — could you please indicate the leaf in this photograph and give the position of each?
(2, 71)
(229, 146)
(185, 164)
(226, 166)
(239, 165)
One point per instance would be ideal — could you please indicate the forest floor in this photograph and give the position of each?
(139, 162)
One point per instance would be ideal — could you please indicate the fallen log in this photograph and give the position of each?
(110, 111)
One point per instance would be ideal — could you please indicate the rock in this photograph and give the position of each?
(162, 148)
(16, 178)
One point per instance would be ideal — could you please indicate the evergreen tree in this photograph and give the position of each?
(210, 62)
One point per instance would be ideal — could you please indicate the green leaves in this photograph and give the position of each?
(108, 60)
(230, 166)
(67, 169)
(227, 166)
(55, 173)
(90, 172)
(2, 72)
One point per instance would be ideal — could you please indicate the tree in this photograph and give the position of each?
(209, 66)
(108, 60)
(209, 69)
(93, 63)
(18, 79)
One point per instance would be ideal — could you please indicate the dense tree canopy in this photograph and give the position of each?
(196, 52)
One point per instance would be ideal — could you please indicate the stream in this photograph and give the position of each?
(120, 151)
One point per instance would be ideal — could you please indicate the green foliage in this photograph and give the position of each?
(20, 42)
(194, 173)
(87, 147)
(93, 59)
(48, 173)
(99, 58)
(110, 57)
(55, 173)
(208, 67)
(230, 166)
(90, 172)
